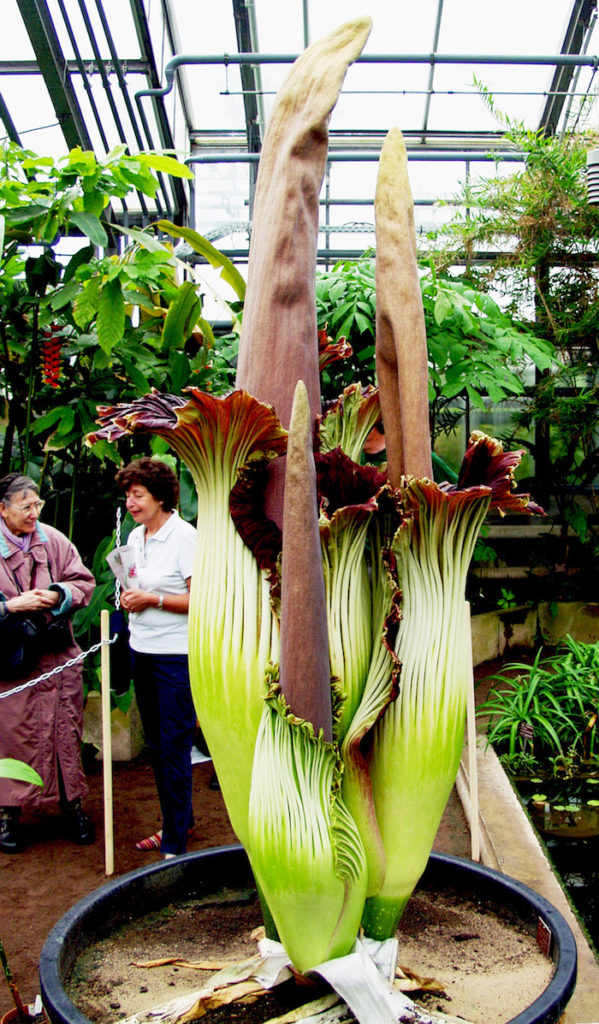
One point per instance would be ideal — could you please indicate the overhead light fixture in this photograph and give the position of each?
(593, 177)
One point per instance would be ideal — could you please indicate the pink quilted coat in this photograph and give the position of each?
(42, 725)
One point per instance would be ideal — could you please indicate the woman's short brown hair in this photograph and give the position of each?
(15, 483)
(153, 474)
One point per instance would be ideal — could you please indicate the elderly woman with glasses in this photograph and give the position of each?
(42, 582)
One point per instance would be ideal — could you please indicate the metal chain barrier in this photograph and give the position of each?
(59, 668)
(117, 534)
(84, 654)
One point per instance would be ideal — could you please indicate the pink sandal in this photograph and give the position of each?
(151, 843)
(154, 841)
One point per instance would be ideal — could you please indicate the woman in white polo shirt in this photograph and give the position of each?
(158, 622)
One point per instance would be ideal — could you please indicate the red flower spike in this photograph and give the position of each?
(51, 345)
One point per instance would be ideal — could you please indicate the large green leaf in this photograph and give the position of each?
(443, 308)
(51, 418)
(91, 226)
(140, 177)
(86, 304)
(12, 769)
(180, 372)
(167, 164)
(111, 315)
(22, 214)
(207, 332)
(201, 245)
(64, 296)
(181, 317)
(148, 241)
(136, 377)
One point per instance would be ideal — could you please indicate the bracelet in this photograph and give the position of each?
(160, 601)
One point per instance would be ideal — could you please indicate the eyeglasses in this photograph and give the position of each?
(34, 506)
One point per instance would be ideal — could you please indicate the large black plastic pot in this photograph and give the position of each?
(199, 874)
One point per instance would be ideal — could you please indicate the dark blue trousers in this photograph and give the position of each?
(168, 717)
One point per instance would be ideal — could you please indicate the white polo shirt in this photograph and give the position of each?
(164, 562)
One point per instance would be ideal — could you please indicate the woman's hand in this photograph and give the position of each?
(36, 600)
(138, 600)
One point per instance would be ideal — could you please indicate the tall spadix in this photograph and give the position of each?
(279, 340)
(401, 350)
(304, 672)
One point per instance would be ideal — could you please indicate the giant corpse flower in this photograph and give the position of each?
(336, 763)
(234, 633)
(414, 750)
(304, 847)
(416, 746)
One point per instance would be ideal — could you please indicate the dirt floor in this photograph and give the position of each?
(40, 884)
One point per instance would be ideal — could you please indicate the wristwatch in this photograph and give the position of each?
(160, 601)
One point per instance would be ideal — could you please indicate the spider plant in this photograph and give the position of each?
(548, 709)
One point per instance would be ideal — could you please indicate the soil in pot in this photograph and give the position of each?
(489, 967)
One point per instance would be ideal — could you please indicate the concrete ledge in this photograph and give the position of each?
(580, 620)
(508, 840)
(509, 843)
(495, 633)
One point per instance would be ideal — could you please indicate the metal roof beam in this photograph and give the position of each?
(7, 120)
(431, 74)
(420, 153)
(170, 23)
(582, 14)
(164, 129)
(31, 67)
(108, 89)
(251, 85)
(54, 68)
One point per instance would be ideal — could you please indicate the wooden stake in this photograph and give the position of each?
(106, 743)
(471, 730)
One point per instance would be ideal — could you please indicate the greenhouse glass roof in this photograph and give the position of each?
(200, 78)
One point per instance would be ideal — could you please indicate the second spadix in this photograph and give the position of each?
(304, 846)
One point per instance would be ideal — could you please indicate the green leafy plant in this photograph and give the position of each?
(345, 305)
(484, 553)
(544, 236)
(476, 351)
(89, 326)
(507, 599)
(547, 710)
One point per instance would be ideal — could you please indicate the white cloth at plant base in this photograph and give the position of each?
(362, 979)
(360, 990)
(274, 964)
